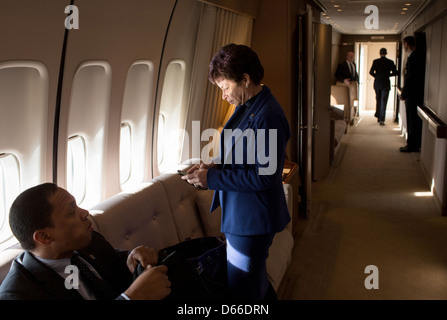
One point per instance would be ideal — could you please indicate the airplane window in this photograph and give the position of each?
(137, 106)
(125, 152)
(76, 168)
(24, 120)
(171, 121)
(9, 190)
(161, 136)
(88, 118)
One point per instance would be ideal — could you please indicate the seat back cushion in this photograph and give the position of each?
(340, 95)
(131, 219)
(182, 201)
(211, 220)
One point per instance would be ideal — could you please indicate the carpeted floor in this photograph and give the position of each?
(366, 212)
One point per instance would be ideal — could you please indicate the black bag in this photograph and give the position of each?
(197, 269)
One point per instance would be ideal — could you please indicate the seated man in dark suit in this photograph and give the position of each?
(381, 70)
(54, 230)
(346, 71)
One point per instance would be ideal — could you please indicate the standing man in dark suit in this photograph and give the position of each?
(413, 94)
(53, 230)
(382, 69)
(347, 70)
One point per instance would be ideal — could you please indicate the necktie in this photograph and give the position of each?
(101, 289)
(352, 71)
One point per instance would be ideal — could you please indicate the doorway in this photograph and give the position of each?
(367, 52)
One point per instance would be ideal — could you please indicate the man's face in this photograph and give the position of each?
(350, 57)
(71, 228)
(407, 48)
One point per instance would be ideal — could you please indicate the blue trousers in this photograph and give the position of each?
(246, 266)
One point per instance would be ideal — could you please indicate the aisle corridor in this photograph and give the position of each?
(374, 208)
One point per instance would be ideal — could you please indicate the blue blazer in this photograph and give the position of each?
(248, 179)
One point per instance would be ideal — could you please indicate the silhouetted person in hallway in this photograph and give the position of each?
(413, 94)
(346, 71)
(382, 69)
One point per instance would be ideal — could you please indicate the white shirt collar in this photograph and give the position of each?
(56, 265)
(59, 267)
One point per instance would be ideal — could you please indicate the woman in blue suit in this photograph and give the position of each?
(247, 176)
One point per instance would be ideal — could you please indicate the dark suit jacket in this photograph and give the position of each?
(414, 78)
(29, 279)
(343, 72)
(382, 69)
(253, 204)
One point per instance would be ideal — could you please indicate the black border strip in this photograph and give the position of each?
(57, 113)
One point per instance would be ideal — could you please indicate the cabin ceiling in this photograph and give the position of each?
(348, 16)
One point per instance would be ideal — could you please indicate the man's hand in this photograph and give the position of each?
(144, 255)
(152, 284)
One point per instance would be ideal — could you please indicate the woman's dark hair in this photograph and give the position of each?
(31, 211)
(232, 61)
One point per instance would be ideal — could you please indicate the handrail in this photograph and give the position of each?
(436, 125)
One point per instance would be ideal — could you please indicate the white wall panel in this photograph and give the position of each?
(442, 99)
(119, 33)
(88, 118)
(433, 155)
(180, 46)
(136, 111)
(23, 124)
(31, 33)
(432, 88)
